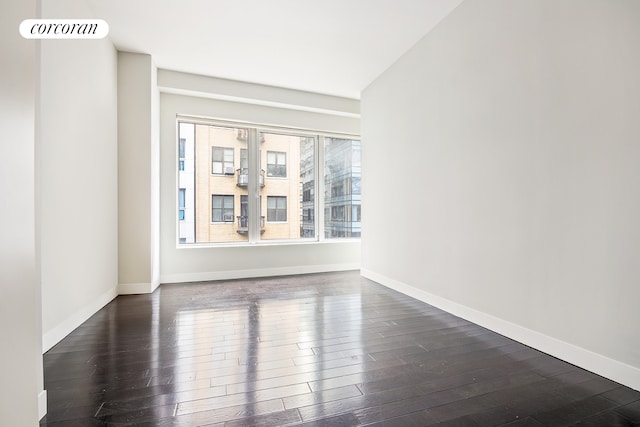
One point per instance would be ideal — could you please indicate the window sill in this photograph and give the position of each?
(267, 243)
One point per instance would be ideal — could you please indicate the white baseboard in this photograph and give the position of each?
(53, 336)
(137, 288)
(258, 272)
(602, 365)
(42, 404)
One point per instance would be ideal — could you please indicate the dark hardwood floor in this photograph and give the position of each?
(316, 350)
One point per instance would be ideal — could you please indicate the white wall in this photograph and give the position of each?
(78, 155)
(138, 174)
(192, 263)
(20, 327)
(516, 125)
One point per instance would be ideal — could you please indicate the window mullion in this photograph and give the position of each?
(319, 188)
(253, 187)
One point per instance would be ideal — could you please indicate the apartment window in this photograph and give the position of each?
(355, 186)
(307, 214)
(244, 159)
(337, 189)
(243, 218)
(222, 208)
(222, 161)
(305, 196)
(337, 213)
(276, 208)
(181, 199)
(276, 164)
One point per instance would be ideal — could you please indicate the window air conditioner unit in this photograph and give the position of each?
(229, 170)
(228, 218)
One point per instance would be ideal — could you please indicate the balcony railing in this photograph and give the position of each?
(243, 135)
(243, 224)
(243, 177)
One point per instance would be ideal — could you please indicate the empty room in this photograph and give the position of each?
(330, 213)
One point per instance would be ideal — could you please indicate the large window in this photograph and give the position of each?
(276, 179)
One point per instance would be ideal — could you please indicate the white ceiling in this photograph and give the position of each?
(334, 47)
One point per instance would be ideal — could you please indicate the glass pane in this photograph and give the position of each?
(228, 156)
(228, 214)
(244, 158)
(228, 202)
(342, 188)
(355, 186)
(290, 189)
(209, 170)
(186, 182)
(217, 154)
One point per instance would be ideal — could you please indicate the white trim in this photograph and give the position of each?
(262, 126)
(257, 272)
(247, 100)
(194, 85)
(42, 404)
(64, 328)
(137, 288)
(270, 242)
(602, 365)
